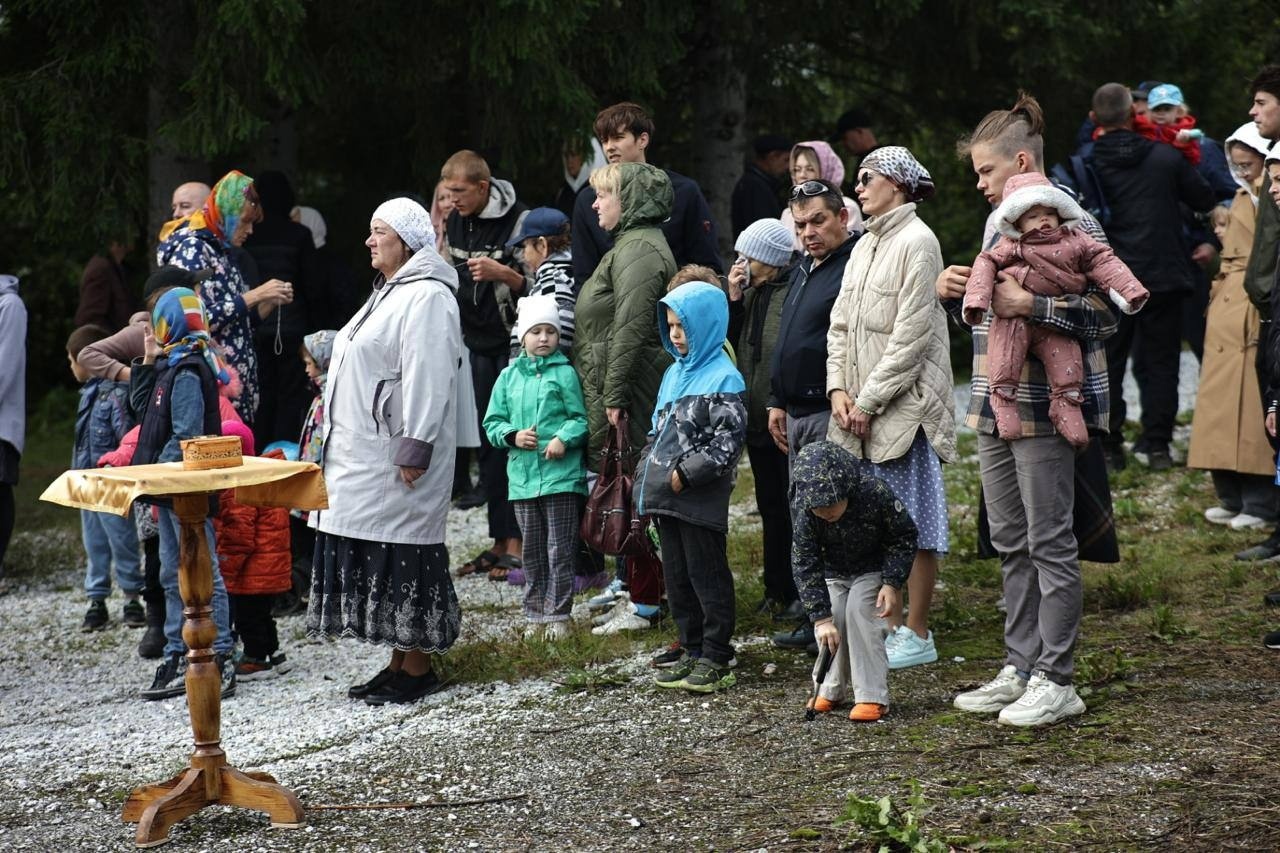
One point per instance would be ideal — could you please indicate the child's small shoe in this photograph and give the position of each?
(820, 705)
(867, 712)
(555, 631)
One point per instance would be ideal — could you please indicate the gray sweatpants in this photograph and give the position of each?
(1029, 485)
(861, 659)
(805, 429)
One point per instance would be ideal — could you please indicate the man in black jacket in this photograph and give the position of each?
(755, 196)
(625, 130)
(485, 214)
(799, 410)
(283, 250)
(1145, 183)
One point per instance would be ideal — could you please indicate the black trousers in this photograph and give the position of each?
(152, 591)
(695, 567)
(252, 621)
(492, 460)
(285, 393)
(770, 469)
(1154, 336)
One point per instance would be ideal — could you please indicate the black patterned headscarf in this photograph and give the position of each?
(900, 166)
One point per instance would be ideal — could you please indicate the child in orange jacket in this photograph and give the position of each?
(254, 554)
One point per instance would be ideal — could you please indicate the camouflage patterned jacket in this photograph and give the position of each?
(875, 534)
(700, 421)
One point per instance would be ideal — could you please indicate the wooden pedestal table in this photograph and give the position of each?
(208, 779)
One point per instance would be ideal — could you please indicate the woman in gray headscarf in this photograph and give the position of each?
(889, 371)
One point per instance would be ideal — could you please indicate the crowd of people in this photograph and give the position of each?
(606, 327)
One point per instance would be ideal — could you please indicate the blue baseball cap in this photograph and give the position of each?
(539, 222)
(1165, 95)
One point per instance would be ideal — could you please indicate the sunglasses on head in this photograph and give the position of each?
(809, 189)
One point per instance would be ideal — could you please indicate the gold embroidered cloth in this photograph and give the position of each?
(259, 482)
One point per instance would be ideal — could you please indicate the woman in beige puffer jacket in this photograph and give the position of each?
(889, 371)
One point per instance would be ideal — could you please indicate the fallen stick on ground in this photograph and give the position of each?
(451, 804)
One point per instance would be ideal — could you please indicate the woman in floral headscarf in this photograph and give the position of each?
(200, 242)
(317, 350)
(889, 372)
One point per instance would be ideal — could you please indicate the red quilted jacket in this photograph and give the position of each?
(253, 545)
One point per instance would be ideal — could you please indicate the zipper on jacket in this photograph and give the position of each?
(644, 475)
(377, 396)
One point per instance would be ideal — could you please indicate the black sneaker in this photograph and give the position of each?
(708, 677)
(151, 646)
(1272, 599)
(471, 500)
(227, 667)
(1272, 640)
(170, 678)
(1159, 460)
(668, 657)
(404, 688)
(133, 615)
(1114, 457)
(373, 685)
(1267, 549)
(800, 638)
(791, 614)
(95, 618)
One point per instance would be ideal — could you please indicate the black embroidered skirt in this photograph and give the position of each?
(383, 593)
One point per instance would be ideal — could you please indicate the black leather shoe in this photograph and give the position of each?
(403, 688)
(792, 613)
(471, 500)
(359, 691)
(800, 638)
(1272, 599)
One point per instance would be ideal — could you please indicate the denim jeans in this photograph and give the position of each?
(110, 538)
(169, 551)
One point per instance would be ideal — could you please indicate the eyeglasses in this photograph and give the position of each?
(809, 189)
(1241, 169)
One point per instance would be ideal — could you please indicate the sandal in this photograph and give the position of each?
(503, 567)
(482, 562)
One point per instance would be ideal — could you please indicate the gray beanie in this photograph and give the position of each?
(767, 241)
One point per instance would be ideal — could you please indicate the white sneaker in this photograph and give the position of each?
(1219, 515)
(607, 597)
(1244, 521)
(555, 631)
(531, 631)
(628, 621)
(1044, 703)
(622, 606)
(995, 695)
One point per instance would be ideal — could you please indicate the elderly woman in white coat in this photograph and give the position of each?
(889, 372)
(381, 571)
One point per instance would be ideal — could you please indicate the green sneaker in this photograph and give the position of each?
(708, 677)
(676, 676)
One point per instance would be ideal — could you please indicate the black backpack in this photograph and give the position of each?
(1081, 176)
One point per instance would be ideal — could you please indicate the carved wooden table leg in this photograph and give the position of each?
(209, 779)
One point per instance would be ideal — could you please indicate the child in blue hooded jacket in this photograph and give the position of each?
(685, 476)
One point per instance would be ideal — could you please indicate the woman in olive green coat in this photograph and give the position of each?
(616, 350)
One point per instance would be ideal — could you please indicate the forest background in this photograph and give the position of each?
(105, 107)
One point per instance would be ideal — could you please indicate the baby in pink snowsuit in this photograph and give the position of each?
(1043, 248)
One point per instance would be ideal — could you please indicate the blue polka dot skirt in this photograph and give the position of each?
(916, 480)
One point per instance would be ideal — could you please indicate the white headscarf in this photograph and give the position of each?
(1247, 135)
(311, 218)
(408, 219)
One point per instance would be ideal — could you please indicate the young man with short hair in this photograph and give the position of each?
(625, 130)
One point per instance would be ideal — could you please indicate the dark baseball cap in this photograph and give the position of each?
(769, 142)
(1143, 89)
(170, 276)
(540, 222)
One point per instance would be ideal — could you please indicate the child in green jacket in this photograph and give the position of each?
(537, 410)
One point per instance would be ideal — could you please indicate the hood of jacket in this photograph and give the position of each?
(830, 166)
(1025, 191)
(8, 284)
(1247, 135)
(274, 194)
(426, 264)
(502, 197)
(596, 161)
(646, 195)
(1121, 148)
(824, 474)
(706, 368)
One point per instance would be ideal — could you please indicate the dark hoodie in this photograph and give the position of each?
(487, 308)
(284, 249)
(875, 533)
(1145, 183)
(798, 380)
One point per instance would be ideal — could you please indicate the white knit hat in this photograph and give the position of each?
(408, 219)
(534, 311)
(767, 241)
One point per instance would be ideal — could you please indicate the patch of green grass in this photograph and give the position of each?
(894, 826)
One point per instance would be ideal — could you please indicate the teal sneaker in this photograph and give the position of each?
(708, 677)
(907, 649)
(677, 675)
